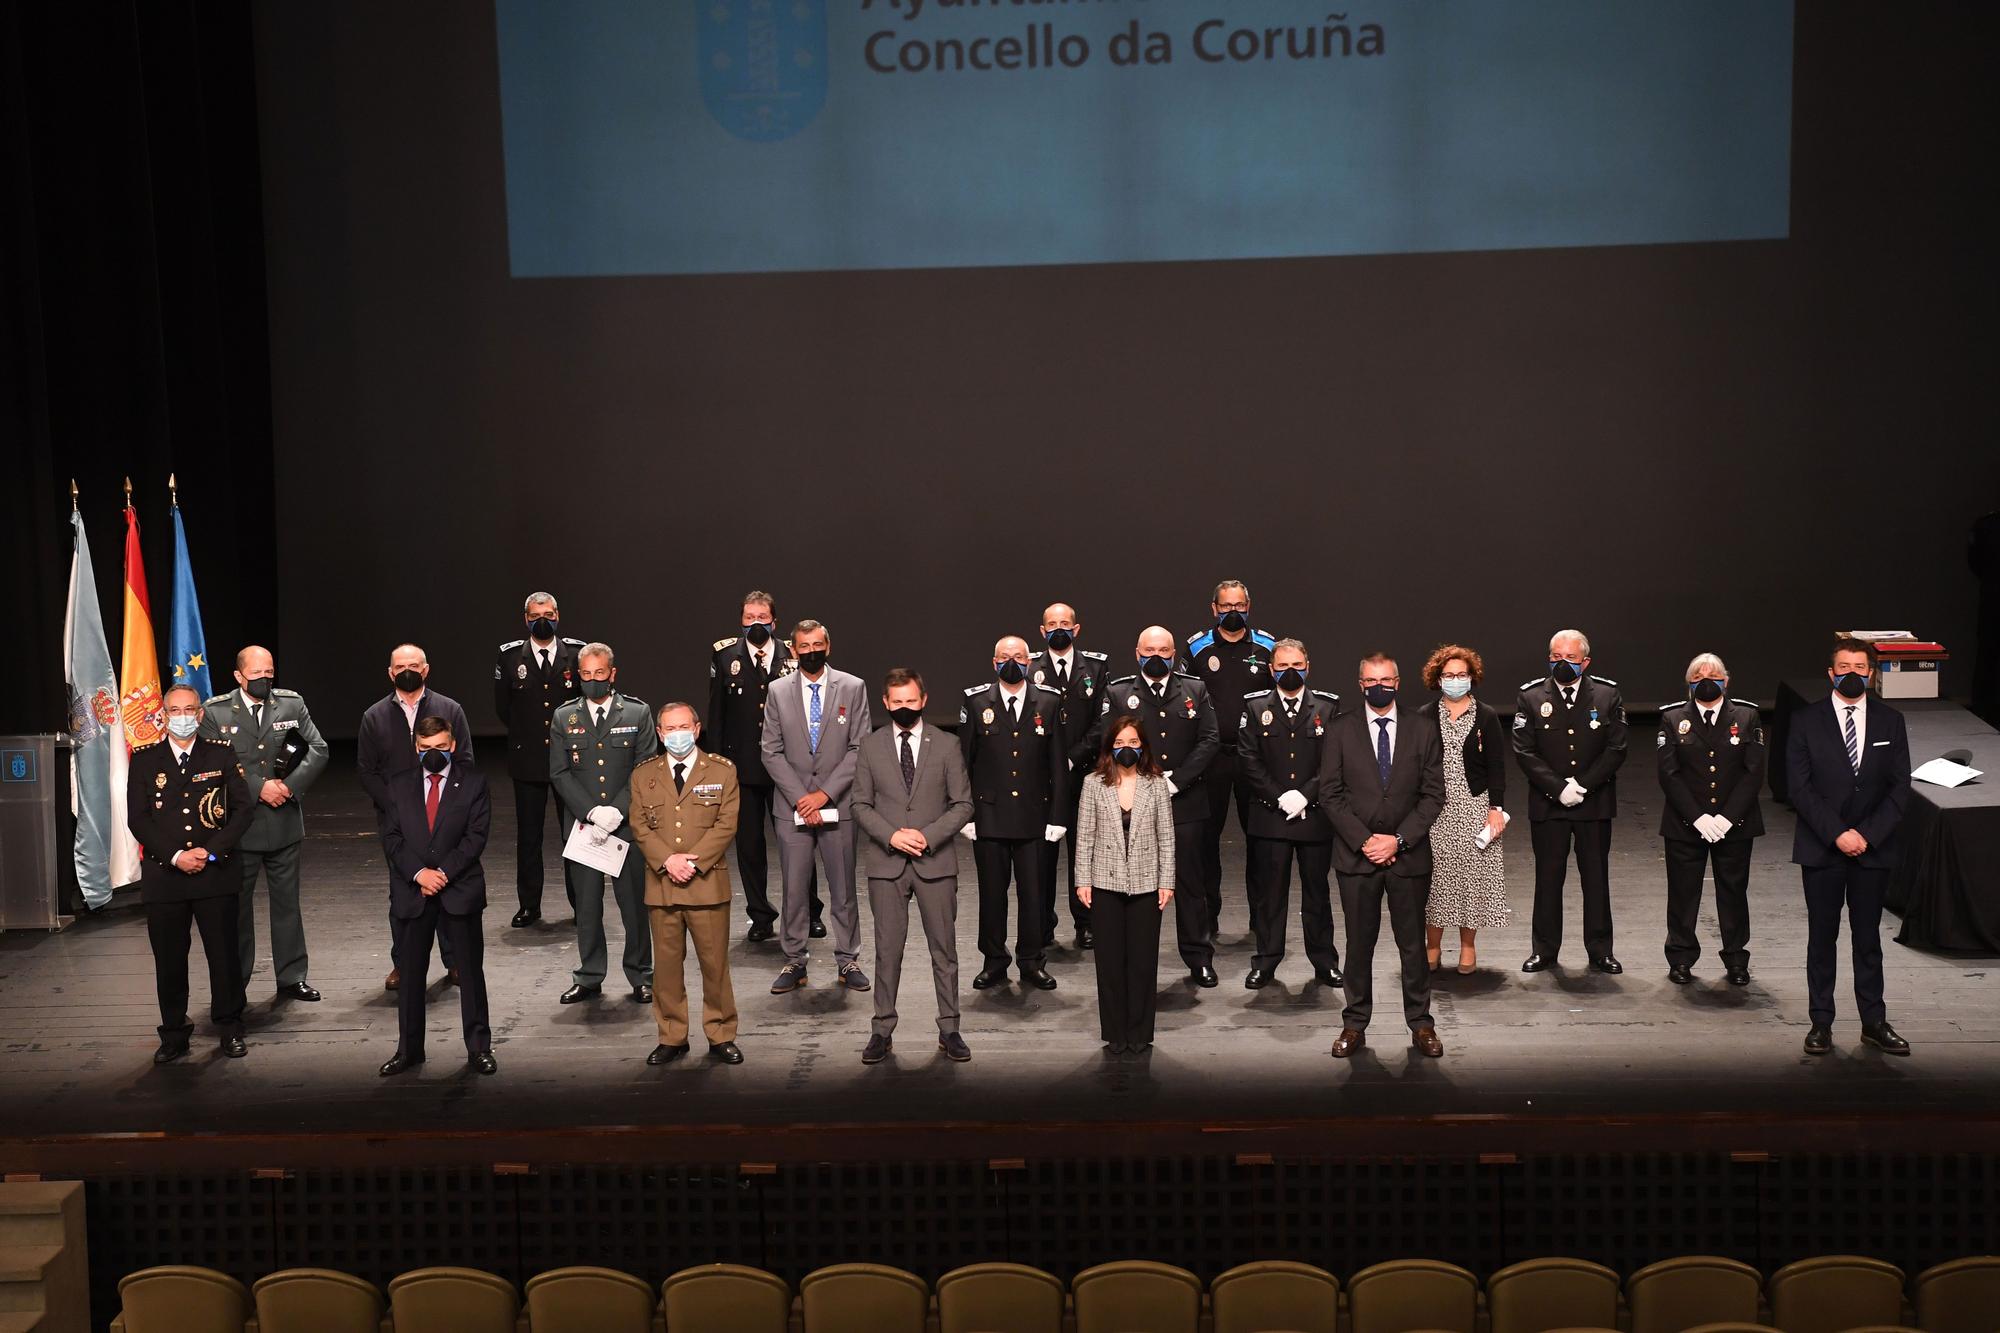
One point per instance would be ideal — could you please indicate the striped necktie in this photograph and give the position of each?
(812, 718)
(1853, 742)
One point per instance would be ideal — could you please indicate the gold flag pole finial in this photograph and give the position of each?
(72, 495)
(173, 491)
(128, 492)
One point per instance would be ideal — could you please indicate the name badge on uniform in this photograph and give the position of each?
(286, 725)
(1547, 708)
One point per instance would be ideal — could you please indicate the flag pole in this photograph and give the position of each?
(128, 492)
(173, 492)
(72, 496)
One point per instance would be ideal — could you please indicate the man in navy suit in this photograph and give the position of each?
(1848, 761)
(434, 826)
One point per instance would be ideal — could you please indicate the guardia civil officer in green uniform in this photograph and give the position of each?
(281, 755)
(594, 744)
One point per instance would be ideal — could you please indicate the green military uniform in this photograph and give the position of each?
(277, 735)
(591, 763)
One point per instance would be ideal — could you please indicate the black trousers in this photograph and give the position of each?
(531, 814)
(1361, 901)
(445, 947)
(1127, 926)
(1552, 839)
(1194, 927)
(1859, 890)
(1270, 863)
(1222, 790)
(167, 928)
(998, 860)
(753, 865)
(413, 955)
(1686, 861)
(1079, 915)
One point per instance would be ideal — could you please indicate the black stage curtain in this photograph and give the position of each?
(132, 322)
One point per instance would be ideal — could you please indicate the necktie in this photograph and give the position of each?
(680, 778)
(1382, 749)
(1062, 675)
(1291, 710)
(1160, 693)
(909, 765)
(1850, 740)
(597, 717)
(545, 661)
(257, 716)
(1708, 717)
(431, 800)
(1014, 709)
(812, 719)
(1569, 696)
(1853, 742)
(762, 669)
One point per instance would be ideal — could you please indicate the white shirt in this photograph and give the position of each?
(768, 652)
(1860, 707)
(536, 650)
(1012, 697)
(599, 707)
(1067, 660)
(916, 735)
(1291, 702)
(1374, 731)
(253, 704)
(181, 747)
(409, 707)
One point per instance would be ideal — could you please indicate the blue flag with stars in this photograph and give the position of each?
(188, 649)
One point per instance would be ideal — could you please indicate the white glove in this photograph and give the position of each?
(598, 837)
(1172, 790)
(1054, 832)
(605, 817)
(1721, 827)
(1293, 803)
(1571, 794)
(969, 831)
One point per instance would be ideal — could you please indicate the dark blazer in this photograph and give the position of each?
(1274, 756)
(465, 815)
(1019, 770)
(1831, 798)
(209, 808)
(1555, 743)
(1089, 673)
(386, 746)
(524, 698)
(1486, 756)
(735, 726)
(1351, 791)
(1182, 729)
(1714, 770)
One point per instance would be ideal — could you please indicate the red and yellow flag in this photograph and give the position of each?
(139, 701)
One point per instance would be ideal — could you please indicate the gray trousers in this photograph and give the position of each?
(937, 904)
(835, 847)
(288, 928)
(628, 890)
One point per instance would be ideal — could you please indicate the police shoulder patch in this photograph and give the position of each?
(1328, 695)
(1254, 694)
(1116, 681)
(574, 643)
(1187, 675)
(1049, 689)
(511, 645)
(1091, 654)
(1520, 721)
(976, 689)
(1743, 702)
(1200, 639)
(1263, 639)
(1670, 707)
(1604, 680)
(729, 642)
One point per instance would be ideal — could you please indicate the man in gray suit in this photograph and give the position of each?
(911, 794)
(281, 754)
(814, 720)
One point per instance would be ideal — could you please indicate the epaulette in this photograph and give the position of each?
(511, 645)
(1263, 639)
(713, 758)
(280, 692)
(1255, 694)
(148, 745)
(1121, 680)
(1530, 684)
(575, 643)
(1092, 654)
(216, 699)
(633, 699)
(1188, 675)
(976, 689)
(1328, 695)
(1677, 703)
(1745, 702)
(1604, 680)
(1048, 689)
(729, 642)
(1200, 639)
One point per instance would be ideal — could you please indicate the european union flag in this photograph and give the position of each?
(185, 642)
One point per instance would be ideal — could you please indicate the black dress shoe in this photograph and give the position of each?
(235, 1047)
(759, 932)
(527, 916)
(726, 1052)
(1329, 976)
(1818, 1040)
(1678, 973)
(642, 994)
(1608, 965)
(1739, 976)
(1538, 962)
(666, 1055)
(1204, 977)
(169, 1052)
(1084, 939)
(989, 977)
(579, 992)
(1036, 977)
(484, 1062)
(877, 1050)
(451, 976)
(397, 1063)
(818, 929)
(954, 1047)
(1884, 1038)
(298, 990)
(1258, 978)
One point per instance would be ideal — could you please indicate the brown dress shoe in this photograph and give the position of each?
(1427, 1043)
(1348, 1042)
(393, 980)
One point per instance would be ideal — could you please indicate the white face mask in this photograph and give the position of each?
(678, 743)
(1455, 688)
(183, 726)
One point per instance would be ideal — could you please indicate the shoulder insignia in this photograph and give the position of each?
(714, 758)
(1048, 689)
(1255, 694)
(976, 689)
(1200, 639)
(1604, 680)
(636, 702)
(729, 642)
(278, 691)
(222, 698)
(1530, 684)
(1091, 653)
(1263, 639)
(1328, 695)
(1123, 680)
(575, 643)
(1189, 675)
(511, 645)
(1744, 702)
(1669, 707)
(149, 745)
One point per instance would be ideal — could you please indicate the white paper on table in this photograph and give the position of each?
(1484, 838)
(1944, 773)
(600, 852)
(827, 815)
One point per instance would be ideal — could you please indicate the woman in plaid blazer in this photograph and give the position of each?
(1124, 878)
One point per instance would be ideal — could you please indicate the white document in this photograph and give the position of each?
(1944, 773)
(595, 851)
(827, 815)
(1484, 839)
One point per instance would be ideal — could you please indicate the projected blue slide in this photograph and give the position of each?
(728, 136)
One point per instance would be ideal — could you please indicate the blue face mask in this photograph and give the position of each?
(1157, 668)
(1850, 685)
(1127, 756)
(1456, 687)
(183, 726)
(679, 743)
(1010, 671)
(1291, 680)
(1563, 670)
(1707, 690)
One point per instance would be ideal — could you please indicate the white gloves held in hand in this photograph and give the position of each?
(605, 817)
(1713, 828)
(969, 831)
(1054, 832)
(1572, 793)
(1293, 804)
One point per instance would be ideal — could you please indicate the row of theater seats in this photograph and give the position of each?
(1696, 1294)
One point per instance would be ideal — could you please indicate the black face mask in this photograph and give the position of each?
(1707, 691)
(408, 681)
(1850, 685)
(758, 633)
(1291, 680)
(1564, 670)
(1232, 620)
(906, 717)
(1380, 696)
(1157, 668)
(258, 687)
(1012, 672)
(435, 761)
(594, 690)
(1060, 639)
(813, 663)
(542, 628)
(1126, 756)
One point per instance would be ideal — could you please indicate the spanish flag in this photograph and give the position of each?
(140, 705)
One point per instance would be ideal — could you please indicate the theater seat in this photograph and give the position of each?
(1834, 1293)
(1406, 1294)
(180, 1298)
(453, 1300)
(1962, 1296)
(744, 1300)
(1536, 1295)
(316, 1300)
(589, 1300)
(999, 1298)
(1673, 1294)
(864, 1298)
(1731, 1327)
(1135, 1294)
(1274, 1294)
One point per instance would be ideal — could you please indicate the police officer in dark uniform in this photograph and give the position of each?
(1080, 676)
(1231, 659)
(1278, 740)
(1711, 766)
(1011, 734)
(1179, 719)
(1569, 737)
(188, 806)
(740, 671)
(531, 677)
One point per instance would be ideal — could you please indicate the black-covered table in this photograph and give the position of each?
(1946, 887)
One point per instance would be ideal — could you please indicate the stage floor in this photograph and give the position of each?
(1553, 1059)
